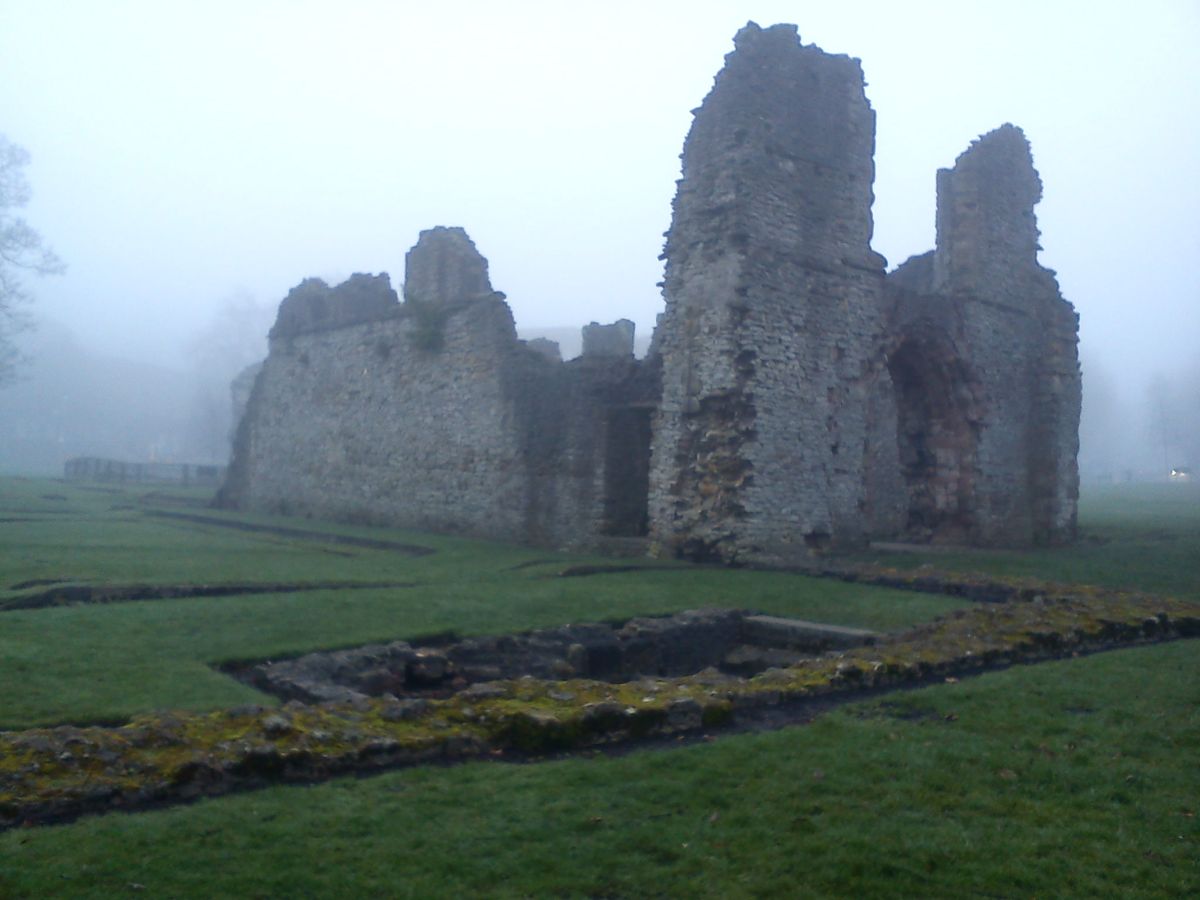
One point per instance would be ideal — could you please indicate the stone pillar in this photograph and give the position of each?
(773, 324)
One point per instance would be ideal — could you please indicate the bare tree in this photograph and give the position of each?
(21, 252)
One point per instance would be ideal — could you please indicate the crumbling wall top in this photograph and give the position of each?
(444, 267)
(985, 220)
(615, 340)
(779, 158)
(314, 306)
(546, 348)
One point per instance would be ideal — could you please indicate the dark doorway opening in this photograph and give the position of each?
(938, 433)
(627, 471)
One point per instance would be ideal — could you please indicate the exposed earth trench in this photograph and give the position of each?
(68, 593)
(281, 531)
(426, 714)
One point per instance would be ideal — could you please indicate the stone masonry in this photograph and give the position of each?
(430, 413)
(984, 362)
(774, 325)
(797, 397)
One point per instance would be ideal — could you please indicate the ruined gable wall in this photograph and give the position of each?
(771, 337)
(1024, 339)
(1016, 342)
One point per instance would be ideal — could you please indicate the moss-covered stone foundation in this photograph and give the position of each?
(54, 774)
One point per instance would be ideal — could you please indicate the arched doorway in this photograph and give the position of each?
(937, 431)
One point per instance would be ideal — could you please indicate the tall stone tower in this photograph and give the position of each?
(773, 329)
(984, 365)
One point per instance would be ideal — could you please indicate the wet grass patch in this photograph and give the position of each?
(998, 791)
(1067, 778)
(1140, 537)
(89, 662)
(66, 593)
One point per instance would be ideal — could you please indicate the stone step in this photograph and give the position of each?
(776, 631)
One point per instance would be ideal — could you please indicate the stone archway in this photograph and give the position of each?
(937, 432)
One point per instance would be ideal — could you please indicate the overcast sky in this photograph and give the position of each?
(187, 151)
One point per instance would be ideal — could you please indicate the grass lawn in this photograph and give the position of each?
(1143, 537)
(102, 663)
(1073, 778)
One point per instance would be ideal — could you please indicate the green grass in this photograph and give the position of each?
(1075, 778)
(1143, 537)
(105, 663)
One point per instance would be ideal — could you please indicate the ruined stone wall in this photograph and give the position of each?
(359, 423)
(794, 398)
(1023, 336)
(429, 414)
(1006, 401)
(91, 468)
(772, 337)
(805, 404)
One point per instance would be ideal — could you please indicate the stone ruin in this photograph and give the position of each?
(722, 644)
(797, 396)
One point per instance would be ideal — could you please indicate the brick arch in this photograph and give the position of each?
(937, 433)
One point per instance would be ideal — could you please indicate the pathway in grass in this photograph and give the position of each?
(90, 663)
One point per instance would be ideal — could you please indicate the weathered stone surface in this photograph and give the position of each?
(445, 267)
(816, 637)
(984, 363)
(652, 646)
(314, 306)
(774, 329)
(437, 417)
(795, 398)
(809, 402)
(609, 340)
(545, 347)
(51, 775)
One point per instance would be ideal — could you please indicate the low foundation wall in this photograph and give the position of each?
(90, 468)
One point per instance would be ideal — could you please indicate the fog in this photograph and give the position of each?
(193, 161)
